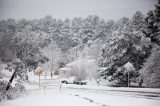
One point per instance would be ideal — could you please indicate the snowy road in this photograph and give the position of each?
(115, 97)
(76, 96)
(117, 92)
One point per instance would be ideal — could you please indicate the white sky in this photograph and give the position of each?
(106, 9)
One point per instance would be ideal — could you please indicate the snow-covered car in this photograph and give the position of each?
(69, 80)
(80, 82)
(72, 80)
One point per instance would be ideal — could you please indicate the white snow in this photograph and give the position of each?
(112, 100)
(51, 98)
(85, 95)
(76, 95)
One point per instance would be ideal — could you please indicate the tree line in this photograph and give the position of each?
(111, 43)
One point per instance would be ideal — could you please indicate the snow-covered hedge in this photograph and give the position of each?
(12, 93)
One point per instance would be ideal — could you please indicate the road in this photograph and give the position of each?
(72, 95)
(137, 94)
(111, 97)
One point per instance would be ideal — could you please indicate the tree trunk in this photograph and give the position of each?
(10, 81)
(51, 74)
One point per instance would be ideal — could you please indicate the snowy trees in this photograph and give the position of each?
(111, 44)
(28, 44)
(152, 29)
(125, 44)
(78, 69)
(150, 72)
(7, 31)
(82, 69)
(54, 53)
(84, 62)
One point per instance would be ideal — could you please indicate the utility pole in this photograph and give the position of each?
(128, 78)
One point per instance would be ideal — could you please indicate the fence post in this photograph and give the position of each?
(44, 90)
(39, 81)
(128, 79)
(60, 88)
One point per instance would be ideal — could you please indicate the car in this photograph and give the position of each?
(69, 80)
(72, 80)
(80, 82)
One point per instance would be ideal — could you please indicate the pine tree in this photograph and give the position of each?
(152, 29)
(150, 72)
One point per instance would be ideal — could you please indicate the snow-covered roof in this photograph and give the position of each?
(103, 68)
(86, 61)
(66, 68)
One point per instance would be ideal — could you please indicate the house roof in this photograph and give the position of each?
(86, 61)
(65, 68)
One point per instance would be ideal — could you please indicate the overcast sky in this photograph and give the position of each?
(106, 9)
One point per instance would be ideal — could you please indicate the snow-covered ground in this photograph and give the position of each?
(74, 95)
(114, 98)
(122, 89)
(85, 95)
(51, 98)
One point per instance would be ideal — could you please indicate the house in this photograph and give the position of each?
(61, 72)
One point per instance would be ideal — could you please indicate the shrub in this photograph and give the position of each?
(12, 93)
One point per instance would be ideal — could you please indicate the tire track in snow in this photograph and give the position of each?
(90, 100)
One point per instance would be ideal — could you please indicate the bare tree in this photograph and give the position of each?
(53, 52)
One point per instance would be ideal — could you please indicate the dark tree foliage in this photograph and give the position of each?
(126, 44)
(7, 31)
(152, 29)
(150, 73)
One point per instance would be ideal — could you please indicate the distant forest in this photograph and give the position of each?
(110, 43)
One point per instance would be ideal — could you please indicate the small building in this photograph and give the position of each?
(61, 72)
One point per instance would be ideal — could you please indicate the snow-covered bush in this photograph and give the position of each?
(3, 85)
(78, 72)
(19, 87)
(12, 93)
(82, 69)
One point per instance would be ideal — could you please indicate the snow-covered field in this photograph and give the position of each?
(73, 95)
(85, 95)
(52, 98)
